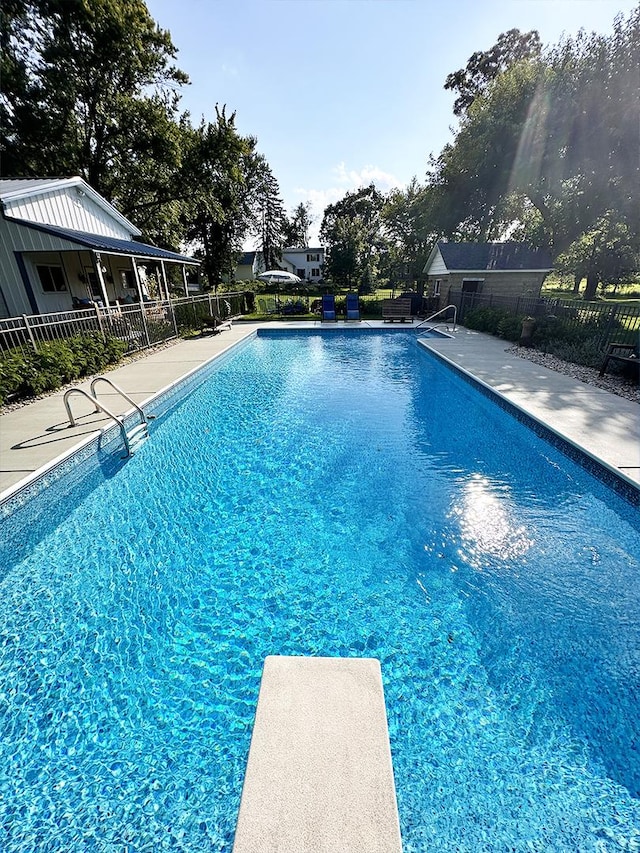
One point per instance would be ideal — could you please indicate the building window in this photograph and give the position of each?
(436, 287)
(315, 256)
(127, 279)
(315, 272)
(51, 278)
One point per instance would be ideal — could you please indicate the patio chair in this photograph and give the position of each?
(328, 307)
(352, 310)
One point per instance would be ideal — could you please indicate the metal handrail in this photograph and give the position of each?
(122, 393)
(441, 311)
(99, 408)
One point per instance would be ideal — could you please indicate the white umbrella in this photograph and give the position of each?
(279, 277)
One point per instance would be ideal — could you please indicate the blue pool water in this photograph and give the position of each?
(324, 494)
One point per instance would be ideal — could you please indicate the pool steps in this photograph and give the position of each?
(131, 438)
(319, 775)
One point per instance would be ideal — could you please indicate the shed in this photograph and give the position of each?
(507, 269)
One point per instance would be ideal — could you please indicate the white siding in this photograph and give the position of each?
(296, 259)
(438, 266)
(14, 238)
(67, 208)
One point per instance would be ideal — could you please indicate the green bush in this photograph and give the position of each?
(510, 328)
(586, 352)
(25, 374)
(486, 319)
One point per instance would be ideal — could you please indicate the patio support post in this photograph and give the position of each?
(164, 280)
(139, 289)
(183, 267)
(97, 263)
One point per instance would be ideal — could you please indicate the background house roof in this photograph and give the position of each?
(114, 245)
(292, 249)
(494, 256)
(246, 259)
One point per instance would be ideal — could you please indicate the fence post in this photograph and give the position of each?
(144, 324)
(173, 317)
(99, 319)
(29, 332)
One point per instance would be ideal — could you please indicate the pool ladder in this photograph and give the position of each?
(433, 316)
(132, 438)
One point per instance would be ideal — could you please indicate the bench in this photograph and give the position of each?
(396, 309)
(624, 353)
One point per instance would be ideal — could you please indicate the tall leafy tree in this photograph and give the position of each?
(89, 88)
(268, 212)
(216, 204)
(484, 66)
(550, 147)
(353, 234)
(298, 226)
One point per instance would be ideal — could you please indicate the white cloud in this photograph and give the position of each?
(347, 180)
(353, 179)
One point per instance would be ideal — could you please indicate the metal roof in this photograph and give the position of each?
(494, 256)
(112, 245)
(25, 186)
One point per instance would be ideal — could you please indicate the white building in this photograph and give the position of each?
(62, 245)
(307, 263)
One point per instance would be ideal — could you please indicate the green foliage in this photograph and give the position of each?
(486, 319)
(484, 66)
(586, 352)
(25, 374)
(352, 232)
(510, 328)
(190, 316)
(548, 142)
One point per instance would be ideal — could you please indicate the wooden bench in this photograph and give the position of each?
(624, 353)
(396, 309)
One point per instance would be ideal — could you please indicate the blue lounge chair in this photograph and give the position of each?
(352, 310)
(328, 307)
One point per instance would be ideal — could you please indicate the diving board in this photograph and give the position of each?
(319, 775)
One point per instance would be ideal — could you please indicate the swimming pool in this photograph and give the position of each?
(324, 494)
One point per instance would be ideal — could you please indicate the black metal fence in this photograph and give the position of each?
(607, 321)
(140, 326)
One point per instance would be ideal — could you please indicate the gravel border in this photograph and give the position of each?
(611, 382)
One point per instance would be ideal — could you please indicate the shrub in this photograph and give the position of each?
(586, 352)
(510, 328)
(485, 319)
(24, 374)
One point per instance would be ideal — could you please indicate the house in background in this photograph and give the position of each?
(62, 245)
(491, 269)
(249, 267)
(307, 263)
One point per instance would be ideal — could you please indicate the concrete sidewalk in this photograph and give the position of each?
(606, 426)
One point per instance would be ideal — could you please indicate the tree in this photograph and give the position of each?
(606, 254)
(298, 226)
(352, 232)
(412, 226)
(483, 67)
(91, 87)
(550, 146)
(216, 208)
(268, 211)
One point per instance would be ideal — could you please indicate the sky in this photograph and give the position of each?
(342, 93)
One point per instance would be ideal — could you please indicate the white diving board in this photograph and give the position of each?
(319, 777)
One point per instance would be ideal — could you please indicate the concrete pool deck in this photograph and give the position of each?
(604, 425)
